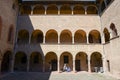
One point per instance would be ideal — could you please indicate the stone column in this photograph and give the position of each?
(32, 8)
(104, 65)
(87, 36)
(45, 9)
(74, 65)
(72, 10)
(58, 65)
(44, 39)
(59, 10)
(89, 64)
(43, 69)
(85, 10)
(58, 39)
(28, 63)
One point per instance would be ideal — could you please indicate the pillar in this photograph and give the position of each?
(104, 64)
(58, 39)
(28, 64)
(85, 10)
(89, 64)
(44, 39)
(59, 10)
(87, 38)
(45, 9)
(58, 65)
(43, 69)
(74, 65)
(72, 10)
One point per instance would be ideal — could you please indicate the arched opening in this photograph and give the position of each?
(66, 36)
(36, 62)
(92, 10)
(94, 37)
(96, 62)
(52, 9)
(20, 63)
(6, 61)
(39, 9)
(37, 37)
(81, 62)
(10, 34)
(106, 35)
(66, 58)
(114, 30)
(103, 6)
(80, 36)
(51, 36)
(78, 9)
(65, 9)
(23, 37)
(25, 10)
(0, 26)
(51, 61)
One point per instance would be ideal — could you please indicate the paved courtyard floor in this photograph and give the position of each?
(55, 76)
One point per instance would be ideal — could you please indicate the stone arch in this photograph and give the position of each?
(66, 36)
(25, 10)
(51, 61)
(92, 10)
(37, 36)
(36, 62)
(52, 9)
(39, 9)
(65, 9)
(114, 30)
(23, 37)
(78, 9)
(94, 37)
(81, 62)
(96, 62)
(80, 36)
(51, 36)
(106, 35)
(11, 34)
(20, 63)
(6, 61)
(66, 58)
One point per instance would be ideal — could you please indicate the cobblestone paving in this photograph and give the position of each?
(55, 76)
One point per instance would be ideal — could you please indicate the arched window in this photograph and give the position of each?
(11, 34)
(92, 10)
(65, 9)
(39, 9)
(106, 35)
(52, 9)
(78, 9)
(114, 30)
(37, 36)
(66, 36)
(23, 37)
(94, 37)
(25, 10)
(0, 26)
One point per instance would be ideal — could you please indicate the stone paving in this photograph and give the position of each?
(55, 76)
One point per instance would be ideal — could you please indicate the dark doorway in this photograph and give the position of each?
(77, 65)
(54, 65)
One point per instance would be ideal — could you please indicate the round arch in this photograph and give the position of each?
(52, 9)
(114, 30)
(39, 9)
(81, 62)
(65, 9)
(106, 35)
(96, 62)
(51, 61)
(66, 58)
(66, 36)
(78, 9)
(23, 37)
(80, 36)
(94, 37)
(20, 63)
(92, 10)
(6, 61)
(36, 62)
(37, 36)
(25, 10)
(51, 36)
